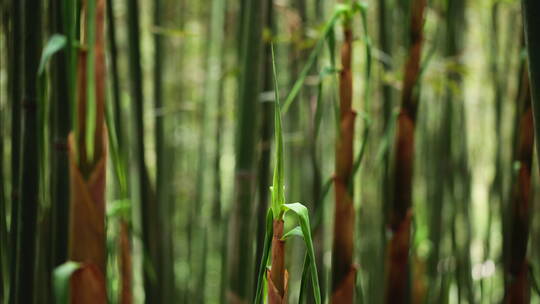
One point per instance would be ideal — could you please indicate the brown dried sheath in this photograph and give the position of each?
(87, 223)
(277, 283)
(87, 181)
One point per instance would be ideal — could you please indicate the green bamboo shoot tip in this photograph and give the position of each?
(278, 197)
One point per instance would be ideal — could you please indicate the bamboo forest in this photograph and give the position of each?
(269, 151)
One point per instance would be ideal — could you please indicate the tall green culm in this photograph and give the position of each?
(29, 178)
(240, 240)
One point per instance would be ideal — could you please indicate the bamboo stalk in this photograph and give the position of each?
(15, 46)
(385, 40)
(162, 263)
(343, 270)
(126, 271)
(401, 211)
(29, 182)
(61, 127)
(266, 141)
(146, 196)
(115, 79)
(517, 267)
(4, 244)
(532, 28)
(124, 242)
(240, 241)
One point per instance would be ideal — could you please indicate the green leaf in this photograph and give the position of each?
(278, 197)
(305, 276)
(55, 44)
(303, 218)
(264, 259)
(296, 231)
(328, 30)
(119, 208)
(362, 7)
(61, 276)
(331, 43)
(360, 157)
(118, 159)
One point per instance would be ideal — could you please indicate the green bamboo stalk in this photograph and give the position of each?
(163, 265)
(496, 188)
(4, 245)
(158, 99)
(266, 139)
(115, 79)
(16, 121)
(218, 218)
(206, 117)
(456, 25)
(385, 40)
(3, 229)
(61, 126)
(26, 258)
(118, 148)
(147, 211)
(213, 117)
(463, 181)
(240, 257)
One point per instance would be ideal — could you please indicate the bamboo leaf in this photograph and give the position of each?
(296, 231)
(328, 30)
(303, 217)
(55, 44)
(264, 260)
(119, 208)
(61, 277)
(278, 197)
(362, 7)
(118, 159)
(304, 280)
(326, 187)
(361, 152)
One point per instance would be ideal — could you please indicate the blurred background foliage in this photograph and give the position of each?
(207, 129)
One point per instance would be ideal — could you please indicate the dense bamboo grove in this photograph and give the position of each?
(296, 151)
